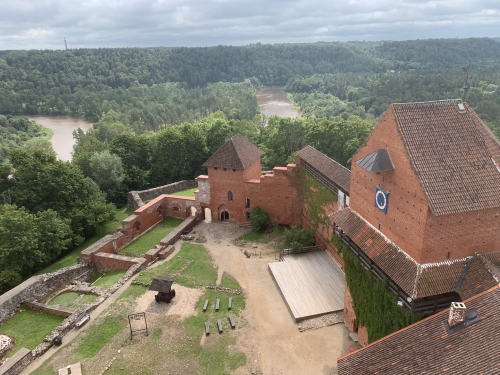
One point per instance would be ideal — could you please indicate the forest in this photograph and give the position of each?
(159, 113)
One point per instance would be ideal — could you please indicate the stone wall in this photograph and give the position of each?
(54, 310)
(136, 199)
(175, 235)
(105, 261)
(15, 364)
(37, 288)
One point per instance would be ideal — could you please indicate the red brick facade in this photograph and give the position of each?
(237, 191)
(409, 222)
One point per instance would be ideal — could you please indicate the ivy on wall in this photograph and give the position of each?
(315, 195)
(375, 306)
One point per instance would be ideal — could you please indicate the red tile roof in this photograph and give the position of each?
(453, 153)
(333, 171)
(236, 153)
(426, 347)
(415, 279)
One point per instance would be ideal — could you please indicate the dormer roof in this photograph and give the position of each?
(236, 153)
(453, 153)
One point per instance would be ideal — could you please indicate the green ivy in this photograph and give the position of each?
(315, 195)
(374, 304)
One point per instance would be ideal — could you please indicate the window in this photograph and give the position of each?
(175, 209)
(215, 168)
(225, 169)
(230, 196)
(234, 170)
(247, 203)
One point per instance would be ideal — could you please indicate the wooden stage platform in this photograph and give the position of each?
(312, 284)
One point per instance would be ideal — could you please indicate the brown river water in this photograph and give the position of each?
(63, 127)
(273, 102)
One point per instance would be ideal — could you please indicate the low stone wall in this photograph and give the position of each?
(175, 235)
(37, 288)
(15, 364)
(136, 199)
(105, 261)
(165, 253)
(54, 310)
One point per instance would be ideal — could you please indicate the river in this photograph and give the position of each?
(274, 102)
(63, 127)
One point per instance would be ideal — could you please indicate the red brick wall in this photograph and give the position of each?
(461, 234)
(272, 193)
(409, 222)
(407, 209)
(115, 262)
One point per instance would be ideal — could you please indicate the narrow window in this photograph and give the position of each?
(247, 203)
(234, 170)
(215, 168)
(230, 196)
(225, 169)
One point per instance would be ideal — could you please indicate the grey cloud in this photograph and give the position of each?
(41, 24)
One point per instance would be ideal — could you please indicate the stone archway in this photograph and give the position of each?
(224, 216)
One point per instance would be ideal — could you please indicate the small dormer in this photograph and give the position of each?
(378, 161)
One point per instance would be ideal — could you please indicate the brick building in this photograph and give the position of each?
(235, 184)
(425, 204)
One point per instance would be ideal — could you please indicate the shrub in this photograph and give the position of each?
(298, 237)
(259, 219)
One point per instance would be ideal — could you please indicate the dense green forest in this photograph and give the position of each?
(159, 113)
(16, 132)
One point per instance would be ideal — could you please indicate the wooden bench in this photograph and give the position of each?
(219, 323)
(205, 305)
(217, 304)
(230, 303)
(231, 320)
(81, 320)
(207, 328)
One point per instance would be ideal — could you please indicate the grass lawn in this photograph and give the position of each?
(229, 282)
(264, 237)
(214, 357)
(186, 193)
(108, 228)
(108, 279)
(29, 328)
(87, 298)
(153, 237)
(65, 299)
(192, 266)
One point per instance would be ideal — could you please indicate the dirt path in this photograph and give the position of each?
(271, 339)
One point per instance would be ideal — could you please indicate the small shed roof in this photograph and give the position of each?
(162, 284)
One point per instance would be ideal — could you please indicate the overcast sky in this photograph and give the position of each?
(41, 24)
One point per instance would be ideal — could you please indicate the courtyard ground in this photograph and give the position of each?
(266, 340)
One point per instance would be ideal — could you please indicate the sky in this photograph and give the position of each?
(43, 24)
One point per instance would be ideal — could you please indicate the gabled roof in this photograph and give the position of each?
(377, 161)
(236, 153)
(161, 284)
(426, 348)
(415, 279)
(453, 153)
(329, 168)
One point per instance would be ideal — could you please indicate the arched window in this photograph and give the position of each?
(230, 196)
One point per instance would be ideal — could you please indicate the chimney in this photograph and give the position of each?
(457, 314)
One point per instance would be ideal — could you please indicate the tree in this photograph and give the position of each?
(107, 171)
(259, 219)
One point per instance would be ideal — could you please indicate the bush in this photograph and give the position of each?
(259, 219)
(298, 237)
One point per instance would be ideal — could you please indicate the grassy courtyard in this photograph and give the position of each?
(29, 328)
(153, 237)
(186, 193)
(173, 344)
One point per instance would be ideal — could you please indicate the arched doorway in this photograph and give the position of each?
(193, 210)
(224, 216)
